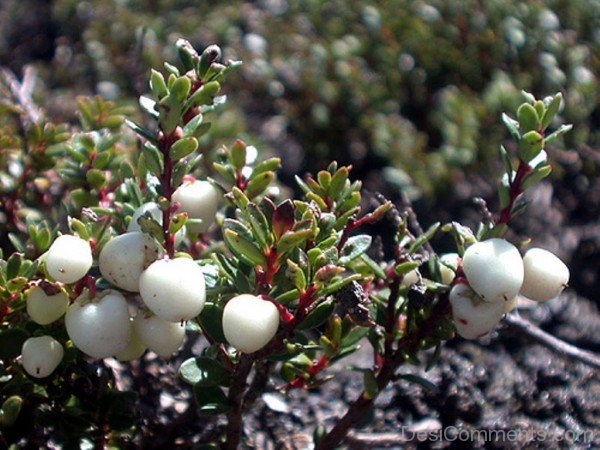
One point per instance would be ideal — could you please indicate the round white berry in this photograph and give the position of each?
(411, 278)
(44, 308)
(162, 337)
(156, 213)
(68, 259)
(135, 349)
(173, 289)
(494, 269)
(249, 322)
(510, 305)
(473, 317)
(448, 266)
(545, 275)
(124, 258)
(99, 327)
(40, 356)
(200, 199)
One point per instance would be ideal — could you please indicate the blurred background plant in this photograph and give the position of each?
(411, 87)
(408, 92)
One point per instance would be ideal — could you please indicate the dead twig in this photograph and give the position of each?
(552, 342)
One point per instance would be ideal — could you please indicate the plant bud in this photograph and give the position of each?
(173, 289)
(69, 259)
(200, 200)
(44, 308)
(40, 356)
(249, 322)
(99, 328)
(473, 317)
(494, 269)
(545, 275)
(162, 337)
(124, 258)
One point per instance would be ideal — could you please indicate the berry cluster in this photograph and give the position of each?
(494, 275)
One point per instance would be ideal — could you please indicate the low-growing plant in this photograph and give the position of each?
(154, 250)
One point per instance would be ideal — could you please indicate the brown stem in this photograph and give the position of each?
(236, 398)
(360, 407)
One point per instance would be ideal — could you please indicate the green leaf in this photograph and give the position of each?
(181, 88)
(157, 84)
(551, 110)
(13, 265)
(10, 410)
(203, 371)
(269, 165)
(354, 247)
(204, 95)
(95, 178)
(259, 183)
(153, 159)
(318, 316)
(530, 145)
(292, 239)
(238, 154)
(337, 285)
(562, 130)
(211, 318)
(512, 126)
(424, 238)
(260, 226)
(210, 399)
(149, 106)
(405, 267)
(338, 183)
(536, 176)
(244, 249)
(528, 118)
(296, 274)
(183, 147)
(508, 167)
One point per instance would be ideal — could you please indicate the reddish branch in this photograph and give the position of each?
(514, 191)
(164, 145)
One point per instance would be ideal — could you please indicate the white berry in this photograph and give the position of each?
(44, 308)
(448, 266)
(156, 213)
(249, 322)
(69, 258)
(494, 269)
(473, 317)
(40, 356)
(173, 289)
(162, 337)
(99, 327)
(124, 258)
(545, 275)
(510, 305)
(135, 349)
(411, 278)
(200, 200)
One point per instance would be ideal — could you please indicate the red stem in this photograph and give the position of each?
(515, 190)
